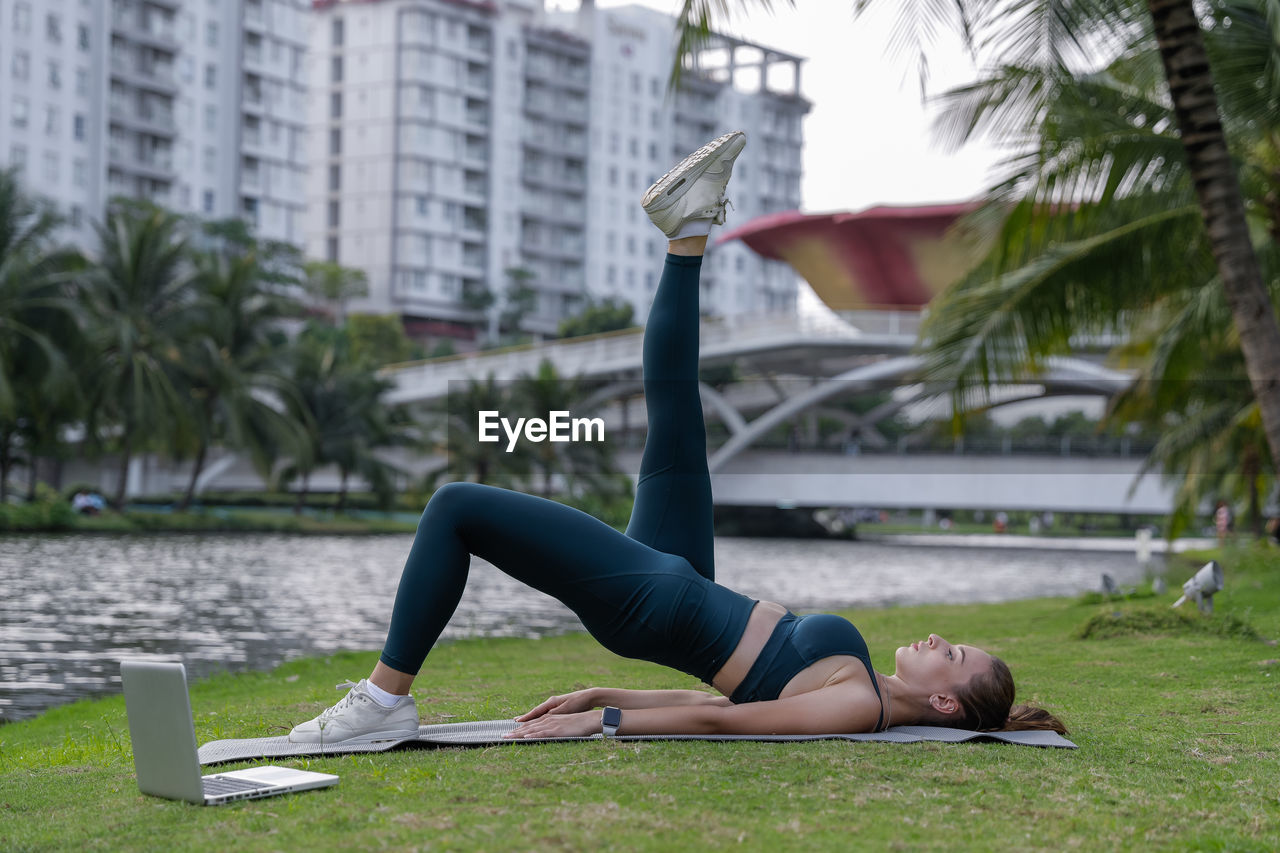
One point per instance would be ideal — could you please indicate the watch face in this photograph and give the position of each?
(612, 717)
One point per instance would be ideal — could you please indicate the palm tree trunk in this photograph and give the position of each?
(197, 466)
(1186, 66)
(302, 494)
(126, 454)
(6, 462)
(33, 476)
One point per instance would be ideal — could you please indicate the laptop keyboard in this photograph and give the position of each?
(216, 786)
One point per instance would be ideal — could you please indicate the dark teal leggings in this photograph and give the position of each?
(648, 594)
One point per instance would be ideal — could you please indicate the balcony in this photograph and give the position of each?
(477, 80)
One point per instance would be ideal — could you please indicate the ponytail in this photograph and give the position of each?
(986, 705)
(1028, 717)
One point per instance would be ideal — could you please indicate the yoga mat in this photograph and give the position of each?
(490, 732)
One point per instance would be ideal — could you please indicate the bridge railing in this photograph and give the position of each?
(595, 355)
(1124, 447)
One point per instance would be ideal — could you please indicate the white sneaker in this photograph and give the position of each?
(689, 199)
(359, 718)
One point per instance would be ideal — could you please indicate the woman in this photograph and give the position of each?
(650, 593)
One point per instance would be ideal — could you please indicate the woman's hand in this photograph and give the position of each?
(569, 703)
(581, 724)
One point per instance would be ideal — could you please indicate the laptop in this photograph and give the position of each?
(164, 745)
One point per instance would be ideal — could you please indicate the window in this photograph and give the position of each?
(335, 178)
(18, 156)
(55, 75)
(82, 36)
(210, 117)
(76, 215)
(211, 33)
(613, 176)
(633, 147)
(78, 126)
(209, 160)
(335, 214)
(210, 76)
(335, 69)
(331, 250)
(79, 172)
(335, 141)
(22, 18)
(51, 167)
(53, 28)
(653, 151)
(20, 110)
(631, 244)
(82, 81)
(208, 201)
(422, 206)
(335, 105)
(21, 65)
(337, 32)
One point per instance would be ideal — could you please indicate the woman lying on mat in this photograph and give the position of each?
(650, 593)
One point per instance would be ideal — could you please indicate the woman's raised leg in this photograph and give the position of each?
(673, 509)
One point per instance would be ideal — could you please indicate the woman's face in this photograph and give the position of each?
(937, 666)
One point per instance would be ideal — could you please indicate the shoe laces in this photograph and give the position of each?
(344, 702)
(721, 204)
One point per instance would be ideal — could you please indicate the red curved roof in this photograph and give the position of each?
(883, 257)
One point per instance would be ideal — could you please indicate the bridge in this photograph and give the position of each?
(799, 365)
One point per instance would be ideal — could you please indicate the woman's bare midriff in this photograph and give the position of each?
(760, 624)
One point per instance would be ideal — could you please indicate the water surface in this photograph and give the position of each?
(74, 605)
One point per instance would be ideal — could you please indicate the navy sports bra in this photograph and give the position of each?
(797, 642)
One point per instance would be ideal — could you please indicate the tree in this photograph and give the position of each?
(232, 374)
(606, 315)
(139, 294)
(38, 390)
(1037, 40)
(520, 299)
(377, 340)
(345, 423)
(335, 286)
(590, 461)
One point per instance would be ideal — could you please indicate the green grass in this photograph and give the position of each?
(1176, 726)
(238, 521)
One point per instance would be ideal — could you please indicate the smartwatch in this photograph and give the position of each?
(610, 719)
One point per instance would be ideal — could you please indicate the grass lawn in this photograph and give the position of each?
(1176, 719)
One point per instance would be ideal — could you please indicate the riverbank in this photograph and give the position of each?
(1175, 717)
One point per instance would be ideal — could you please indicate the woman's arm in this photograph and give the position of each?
(835, 709)
(599, 697)
(636, 699)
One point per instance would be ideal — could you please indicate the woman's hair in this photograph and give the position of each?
(986, 705)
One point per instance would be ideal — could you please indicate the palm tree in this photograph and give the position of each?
(592, 461)
(139, 295)
(37, 325)
(345, 421)
(1048, 37)
(232, 358)
(456, 421)
(334, 285)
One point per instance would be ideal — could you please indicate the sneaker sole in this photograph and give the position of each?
(372, 737)
(674, 183)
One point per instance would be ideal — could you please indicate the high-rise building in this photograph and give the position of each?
(639, 130)
(195, 105)
(465, 146)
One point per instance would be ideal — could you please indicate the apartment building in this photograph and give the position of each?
(193, 104)
(453, 141)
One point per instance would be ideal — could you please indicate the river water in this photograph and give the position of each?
(72, 606)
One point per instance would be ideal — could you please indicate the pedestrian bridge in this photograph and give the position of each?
(936, 482)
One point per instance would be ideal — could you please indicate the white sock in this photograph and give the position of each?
(382, 697)
(693, 228)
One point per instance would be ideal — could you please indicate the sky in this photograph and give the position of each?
(868, 137)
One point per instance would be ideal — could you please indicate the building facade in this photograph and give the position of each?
(460, 147)
(194, 105)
